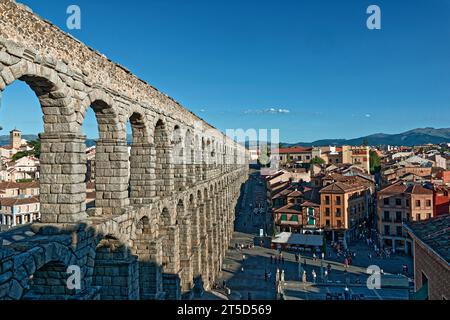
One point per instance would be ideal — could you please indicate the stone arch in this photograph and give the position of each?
(43, 274)
(111, 155)
(59, 140)
(148, 249)
(116, 270)
(164, 183)
(184, 217)
(170, 237)
(189, 147)
(141, 187)
(54, 96)
(179, 158)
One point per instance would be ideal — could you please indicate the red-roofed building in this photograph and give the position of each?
(296, 154)
(441, 201)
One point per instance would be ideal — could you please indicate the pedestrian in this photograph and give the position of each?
(314, 275)
(325, 274)
(346, 263)
(304, 263)
(314, 257)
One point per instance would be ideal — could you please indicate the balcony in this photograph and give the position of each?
(389, 220)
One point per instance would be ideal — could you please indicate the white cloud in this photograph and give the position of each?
(368, 115)
(267, 111)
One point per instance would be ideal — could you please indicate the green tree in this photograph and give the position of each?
(318, 161)
(36, 152)
(374, 162)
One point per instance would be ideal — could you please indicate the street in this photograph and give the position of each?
(250, 273)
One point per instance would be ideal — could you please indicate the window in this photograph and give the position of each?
(428, 203)
(418, 217)
(387, 230)
(417, 203)
(386, 201)
(387, 216)
(339, 223)
(338, 200)
(399, 231)
(428, 215)
(327, 199)
(327, 212)
(283, 217)
(398, 202)
(327, 223)
(294, 217)
(338, 212)
(398, 216)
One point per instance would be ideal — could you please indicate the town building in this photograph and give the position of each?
(431, 258)
(299, 155)
(18, 211)
(441, 201)
(343, 208)
(359, 156)
(296, 209)
(400, 203)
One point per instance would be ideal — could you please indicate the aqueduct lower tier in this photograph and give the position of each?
(164, 210)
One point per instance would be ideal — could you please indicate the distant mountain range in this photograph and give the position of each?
(4, 140)
(408, 138)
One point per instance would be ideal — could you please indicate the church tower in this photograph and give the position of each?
(15, 138)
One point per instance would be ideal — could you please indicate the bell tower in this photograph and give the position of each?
(15, 138)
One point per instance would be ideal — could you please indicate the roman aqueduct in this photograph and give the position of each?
(164, 211)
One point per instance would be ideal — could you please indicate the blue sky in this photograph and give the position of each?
(314, 62)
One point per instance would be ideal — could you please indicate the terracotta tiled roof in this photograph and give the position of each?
(418, 189)
(310, 204)
(295, 193)
(395, 188)
(9, 202)
(434, 233)
(340, 187)
(15, 185)
(293, 150)
(290, 208)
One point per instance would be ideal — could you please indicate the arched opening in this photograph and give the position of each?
(21, 120)
(140, 189)
(50, 283)
(179, 159)
(189, 146)
(148, 251)
(106, 159)
(164, 167)
(116, 270)
(169, 233)
(185, 247)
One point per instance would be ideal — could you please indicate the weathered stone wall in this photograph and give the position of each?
(150, 234)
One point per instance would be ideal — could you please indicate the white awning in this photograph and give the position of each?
(298, 239)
